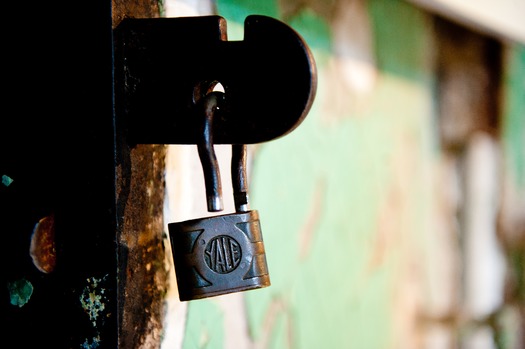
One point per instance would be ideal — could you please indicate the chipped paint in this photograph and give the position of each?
(6, 180)
(91, 344)
(93, 300)
(20, 292)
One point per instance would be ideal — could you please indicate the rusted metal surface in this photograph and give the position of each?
(135, 9)
(219, 255)
(43, 249)
(142, 278)
(210, 167)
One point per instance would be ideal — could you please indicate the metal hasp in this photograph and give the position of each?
(167, 74)
(163, 65)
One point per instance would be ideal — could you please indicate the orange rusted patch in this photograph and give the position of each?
(42, 248)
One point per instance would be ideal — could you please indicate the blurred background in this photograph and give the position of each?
(394, 215)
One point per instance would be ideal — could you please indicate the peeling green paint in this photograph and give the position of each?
(93, 300)
(20, 292)
(162, 8)
(355, 187)
(335, 284)
(401, 44)
(336, 295)
(6, 180)
(238, 10)
(514, 114)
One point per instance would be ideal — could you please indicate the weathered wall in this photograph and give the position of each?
(407, 176)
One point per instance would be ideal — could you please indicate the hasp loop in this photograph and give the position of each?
(162, 64)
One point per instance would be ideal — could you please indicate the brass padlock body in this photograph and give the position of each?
(218, 255)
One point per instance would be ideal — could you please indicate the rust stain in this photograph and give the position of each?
(394, 245)
(388, 222)
(134, 8)
(144, 276)
(307, 232)
(277, 307)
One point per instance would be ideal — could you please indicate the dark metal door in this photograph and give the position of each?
(57, 161)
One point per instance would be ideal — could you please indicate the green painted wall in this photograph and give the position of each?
(323, 190)
(346, 200)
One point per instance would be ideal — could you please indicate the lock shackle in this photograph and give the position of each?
(239, 177)
(210, 166)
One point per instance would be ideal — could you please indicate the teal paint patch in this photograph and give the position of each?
(514, 114)
(401, 33)
(20, 292)
(162, 8)
(340, 294)
(337, 292)
(314, 30)
(238, 10)
(93, 300)
(6, 180)
(311, 26)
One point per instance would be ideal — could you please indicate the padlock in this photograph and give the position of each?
(219, 254)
